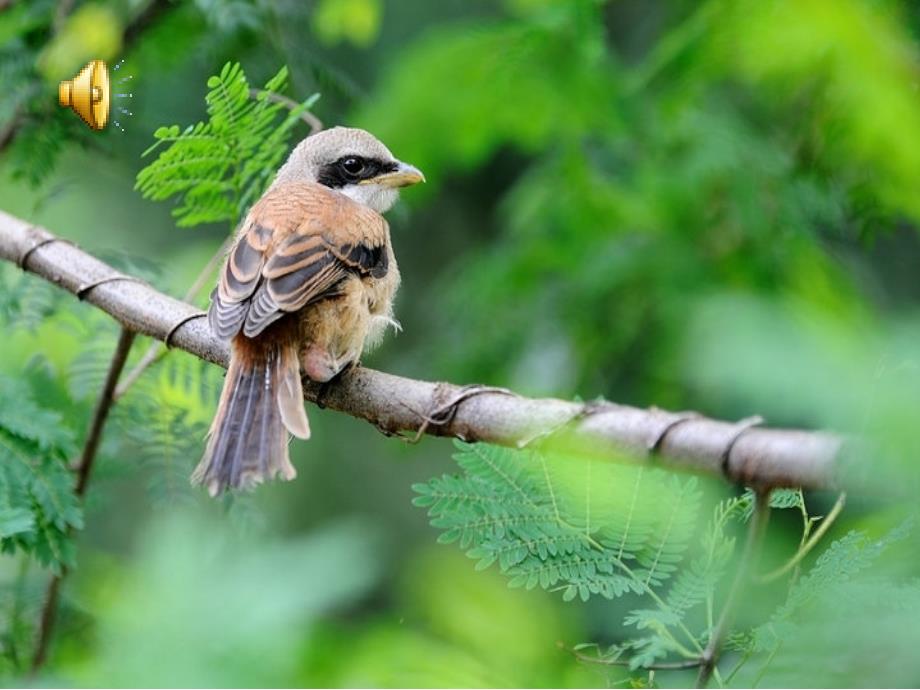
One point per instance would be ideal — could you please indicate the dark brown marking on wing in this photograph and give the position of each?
(302, 241)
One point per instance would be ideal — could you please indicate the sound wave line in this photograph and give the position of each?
(124, 80)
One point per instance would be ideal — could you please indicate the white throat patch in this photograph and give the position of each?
(374, 196)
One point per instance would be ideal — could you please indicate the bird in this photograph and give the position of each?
(307, 286)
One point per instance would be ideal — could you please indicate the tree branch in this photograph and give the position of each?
(744, 454)
(156, 351)
(84, 470)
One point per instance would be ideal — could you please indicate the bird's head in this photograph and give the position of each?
(353, 162)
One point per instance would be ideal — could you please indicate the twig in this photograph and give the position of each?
(808, 545)
(148, 16)
(660, 666)
(9, 129)
(157, 350)
(756, 531)
(103, 406)
(315, 123)
(46, 622)
(60, 15)
(84, 471)
(16, 610)
(737, 667)
(758, 456)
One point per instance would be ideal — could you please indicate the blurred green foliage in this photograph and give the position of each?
(357, 21)
(36, 488)
(93, 32)
(694, 205)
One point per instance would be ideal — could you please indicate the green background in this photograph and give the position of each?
(706, 206)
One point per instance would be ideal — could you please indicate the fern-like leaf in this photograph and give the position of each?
(698, 581)
(563, 523)
(38, 507)
(217, 168)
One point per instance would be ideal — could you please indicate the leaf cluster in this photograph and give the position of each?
(583, 527)
(38, 507)
(546, 520)
(36, 127)
(216, 168)
(579, 526)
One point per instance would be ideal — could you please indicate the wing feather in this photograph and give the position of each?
(299, 242)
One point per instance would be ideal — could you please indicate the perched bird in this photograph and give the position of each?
(307, 286)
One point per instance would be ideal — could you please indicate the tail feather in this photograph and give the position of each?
(290, 395)
(262, 397)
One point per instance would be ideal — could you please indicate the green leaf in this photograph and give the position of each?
(786, 498)
(840, 562)
(698, 581)
(21, 417)
(564, 523)
(215, 169)
(38, 506)
(15, 521)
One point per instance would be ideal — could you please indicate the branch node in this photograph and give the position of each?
(655, 446)
(167, 341)
(742, 426)
(443, 414)
(27, 254)
(84, 289)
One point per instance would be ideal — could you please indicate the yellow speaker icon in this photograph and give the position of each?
(87, 94)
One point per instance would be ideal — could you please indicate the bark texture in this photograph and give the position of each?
(741, 452)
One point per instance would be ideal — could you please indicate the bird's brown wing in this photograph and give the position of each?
(298, 243)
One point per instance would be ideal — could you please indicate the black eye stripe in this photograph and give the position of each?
(345, 170)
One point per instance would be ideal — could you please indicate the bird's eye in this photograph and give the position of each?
(353, 166)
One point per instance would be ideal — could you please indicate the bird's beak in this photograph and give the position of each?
(405, 175)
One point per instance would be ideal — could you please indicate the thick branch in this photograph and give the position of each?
(156, 351)
(762, 457)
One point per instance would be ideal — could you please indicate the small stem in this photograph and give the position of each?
(9, 129)
(157, 350)
(756, 531)
(84, 470)
(766, 664)
(667, 609)
(103, 407)
(661, 666)
(60, 15)
(315, 123)
(16, 607)
(46, 623)
(808, 545)
(741, 662)
(648, 590)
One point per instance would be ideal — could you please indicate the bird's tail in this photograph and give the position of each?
(261, 401)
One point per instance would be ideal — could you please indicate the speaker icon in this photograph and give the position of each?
(88, 94)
